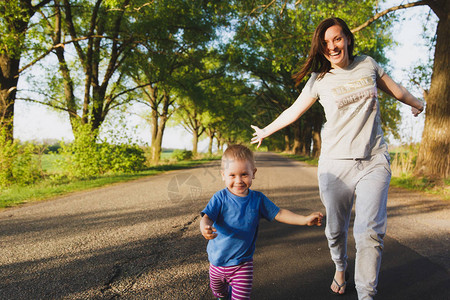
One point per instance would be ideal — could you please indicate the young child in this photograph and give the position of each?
(230, 223)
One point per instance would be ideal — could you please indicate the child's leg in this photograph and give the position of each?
(239, 277)
(218, 281)
(241, 281)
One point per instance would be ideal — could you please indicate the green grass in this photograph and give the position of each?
(306, 159)
(404, 179)
(49, 162)
(422, 184)
(54, 186)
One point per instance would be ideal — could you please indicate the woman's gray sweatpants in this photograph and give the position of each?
(366, 182)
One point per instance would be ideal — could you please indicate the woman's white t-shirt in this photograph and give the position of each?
(349, 98)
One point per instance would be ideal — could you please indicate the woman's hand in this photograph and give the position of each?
(258, 135)
(417, 111)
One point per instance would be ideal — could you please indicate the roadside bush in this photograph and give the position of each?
(123, 158)
(182, 154)
(8, 152)
(403, 161)
(80, 158)
(27, 167)
(87, 158)
(18, 165)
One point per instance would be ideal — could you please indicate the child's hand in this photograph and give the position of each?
(209, 232)
(314, 219)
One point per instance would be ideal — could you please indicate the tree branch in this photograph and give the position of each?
(52, 105)
(386, 11)
(264, 8)
(57, 46)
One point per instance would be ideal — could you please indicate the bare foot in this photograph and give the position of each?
(339, 283)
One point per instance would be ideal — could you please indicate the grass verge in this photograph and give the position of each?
(403, 181)
(306, 159)
(423, 185)
(17, 195)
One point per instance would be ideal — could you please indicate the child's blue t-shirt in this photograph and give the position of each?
(236, 220)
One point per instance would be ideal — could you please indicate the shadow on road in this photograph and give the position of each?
(155, 250)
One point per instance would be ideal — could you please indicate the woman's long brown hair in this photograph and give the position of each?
(316, 61)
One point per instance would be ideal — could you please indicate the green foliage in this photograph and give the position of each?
(12, 27)
(403, 160)
(180, 155)
(87, 158)
(273, 40)
(18, 165)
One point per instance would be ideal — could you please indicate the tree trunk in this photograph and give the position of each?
(317, 123)
(158, 122)
(98, 114)
(154, 157)
(287, 141)
(307, 137)
(298, 144)
(317, 144)
(195, 141)
(211, 135)
(156, 144)
(434, 152)
(9, 76)
(219, 142)
(10, 60)
(65, 71)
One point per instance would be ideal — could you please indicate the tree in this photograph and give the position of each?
(175, 38)
(108, 41)
(434, 153)
(97, 37)
(194, 109)
(15, 16)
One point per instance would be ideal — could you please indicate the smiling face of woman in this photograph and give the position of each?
(336, 47)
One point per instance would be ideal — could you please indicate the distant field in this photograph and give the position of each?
(49, 162)
(166, 154)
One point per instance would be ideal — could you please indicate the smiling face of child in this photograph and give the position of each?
(238, 176)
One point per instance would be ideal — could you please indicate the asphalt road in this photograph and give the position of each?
(140, 240)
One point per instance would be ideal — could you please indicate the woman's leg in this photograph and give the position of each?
(370, 223)
(336, 183)
(336, 193)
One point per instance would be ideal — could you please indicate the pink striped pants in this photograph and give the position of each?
(239, 277)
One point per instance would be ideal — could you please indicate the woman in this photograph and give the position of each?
(354, 162)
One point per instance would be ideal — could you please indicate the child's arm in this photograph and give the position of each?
(206, 228)
(288, 217)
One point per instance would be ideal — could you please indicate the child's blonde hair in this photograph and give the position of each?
(237, 152)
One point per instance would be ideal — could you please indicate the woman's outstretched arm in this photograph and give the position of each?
(388, 85)
(287, 117)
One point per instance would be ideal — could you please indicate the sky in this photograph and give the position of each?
(34, 122)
